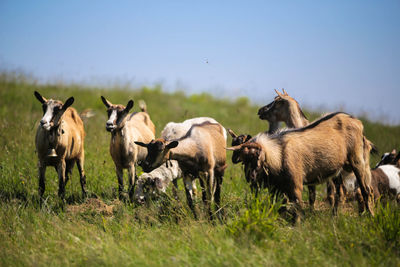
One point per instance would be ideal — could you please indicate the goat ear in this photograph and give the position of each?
(129, 106)
(40, 97)
(106, 102)
(68, 103)
(232, 133)
(172, 144)
(141, 144)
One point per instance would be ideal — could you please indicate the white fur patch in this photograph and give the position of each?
(113, 117)
(392, 172)
(47, 117)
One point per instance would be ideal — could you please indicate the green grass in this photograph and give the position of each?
(164, 232)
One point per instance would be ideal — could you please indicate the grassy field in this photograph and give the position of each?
(101, 230)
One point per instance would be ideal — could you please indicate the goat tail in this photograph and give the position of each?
(87, 113)
(142, 105)
(370, 147)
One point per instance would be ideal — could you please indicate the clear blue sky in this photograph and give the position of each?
(328, 54)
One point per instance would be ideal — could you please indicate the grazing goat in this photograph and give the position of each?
(390, 158)
(309, 156)
(151, 184)
(171, 170)
(61, 132)
(200, 153)
(125, 129)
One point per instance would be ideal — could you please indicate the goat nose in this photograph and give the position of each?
(42, 122)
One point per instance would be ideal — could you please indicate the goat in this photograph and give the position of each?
(200, 153)
(309, 156)
(390, 158)
(151, 184)
(283, 108)
(159, 178)
(385, 181)
(287, 109)
(125, 129)
(60, 131)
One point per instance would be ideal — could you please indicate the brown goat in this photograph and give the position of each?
(309, 156)
(283, 108)
(60, 129)
(125, 130)
(200, 153)
(287, 109)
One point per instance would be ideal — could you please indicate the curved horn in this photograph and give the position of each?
(232, 133)
(234, 148)
(279, 94)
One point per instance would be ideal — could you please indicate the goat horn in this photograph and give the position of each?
(232, 133)
(234, 148)
(279, 94)
(284, 92)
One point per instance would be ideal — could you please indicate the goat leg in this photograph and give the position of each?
(311, 196)
(132, 179)
(61, 178)
(42, 171)
(189, 194)
(82, 176)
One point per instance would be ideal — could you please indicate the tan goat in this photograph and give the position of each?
(309, 156)
(200, 153)
(60, 129)
(287, 109)
(126, 128)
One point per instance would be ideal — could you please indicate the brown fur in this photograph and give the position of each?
(200, 153)
(67, 138)
(124, 152)
(310, 155)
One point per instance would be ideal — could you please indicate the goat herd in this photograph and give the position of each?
(332, 149)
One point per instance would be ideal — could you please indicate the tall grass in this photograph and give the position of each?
(103, 231)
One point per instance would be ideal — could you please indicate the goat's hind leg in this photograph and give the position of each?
(363, 176)
(132, 180)
(311, 196)
(82, 175)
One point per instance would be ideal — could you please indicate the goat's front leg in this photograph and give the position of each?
(120, 175)
(42, 171)
(61, 178)
(82, 175)
(295, 196)
(187, 180)
(131, 177)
